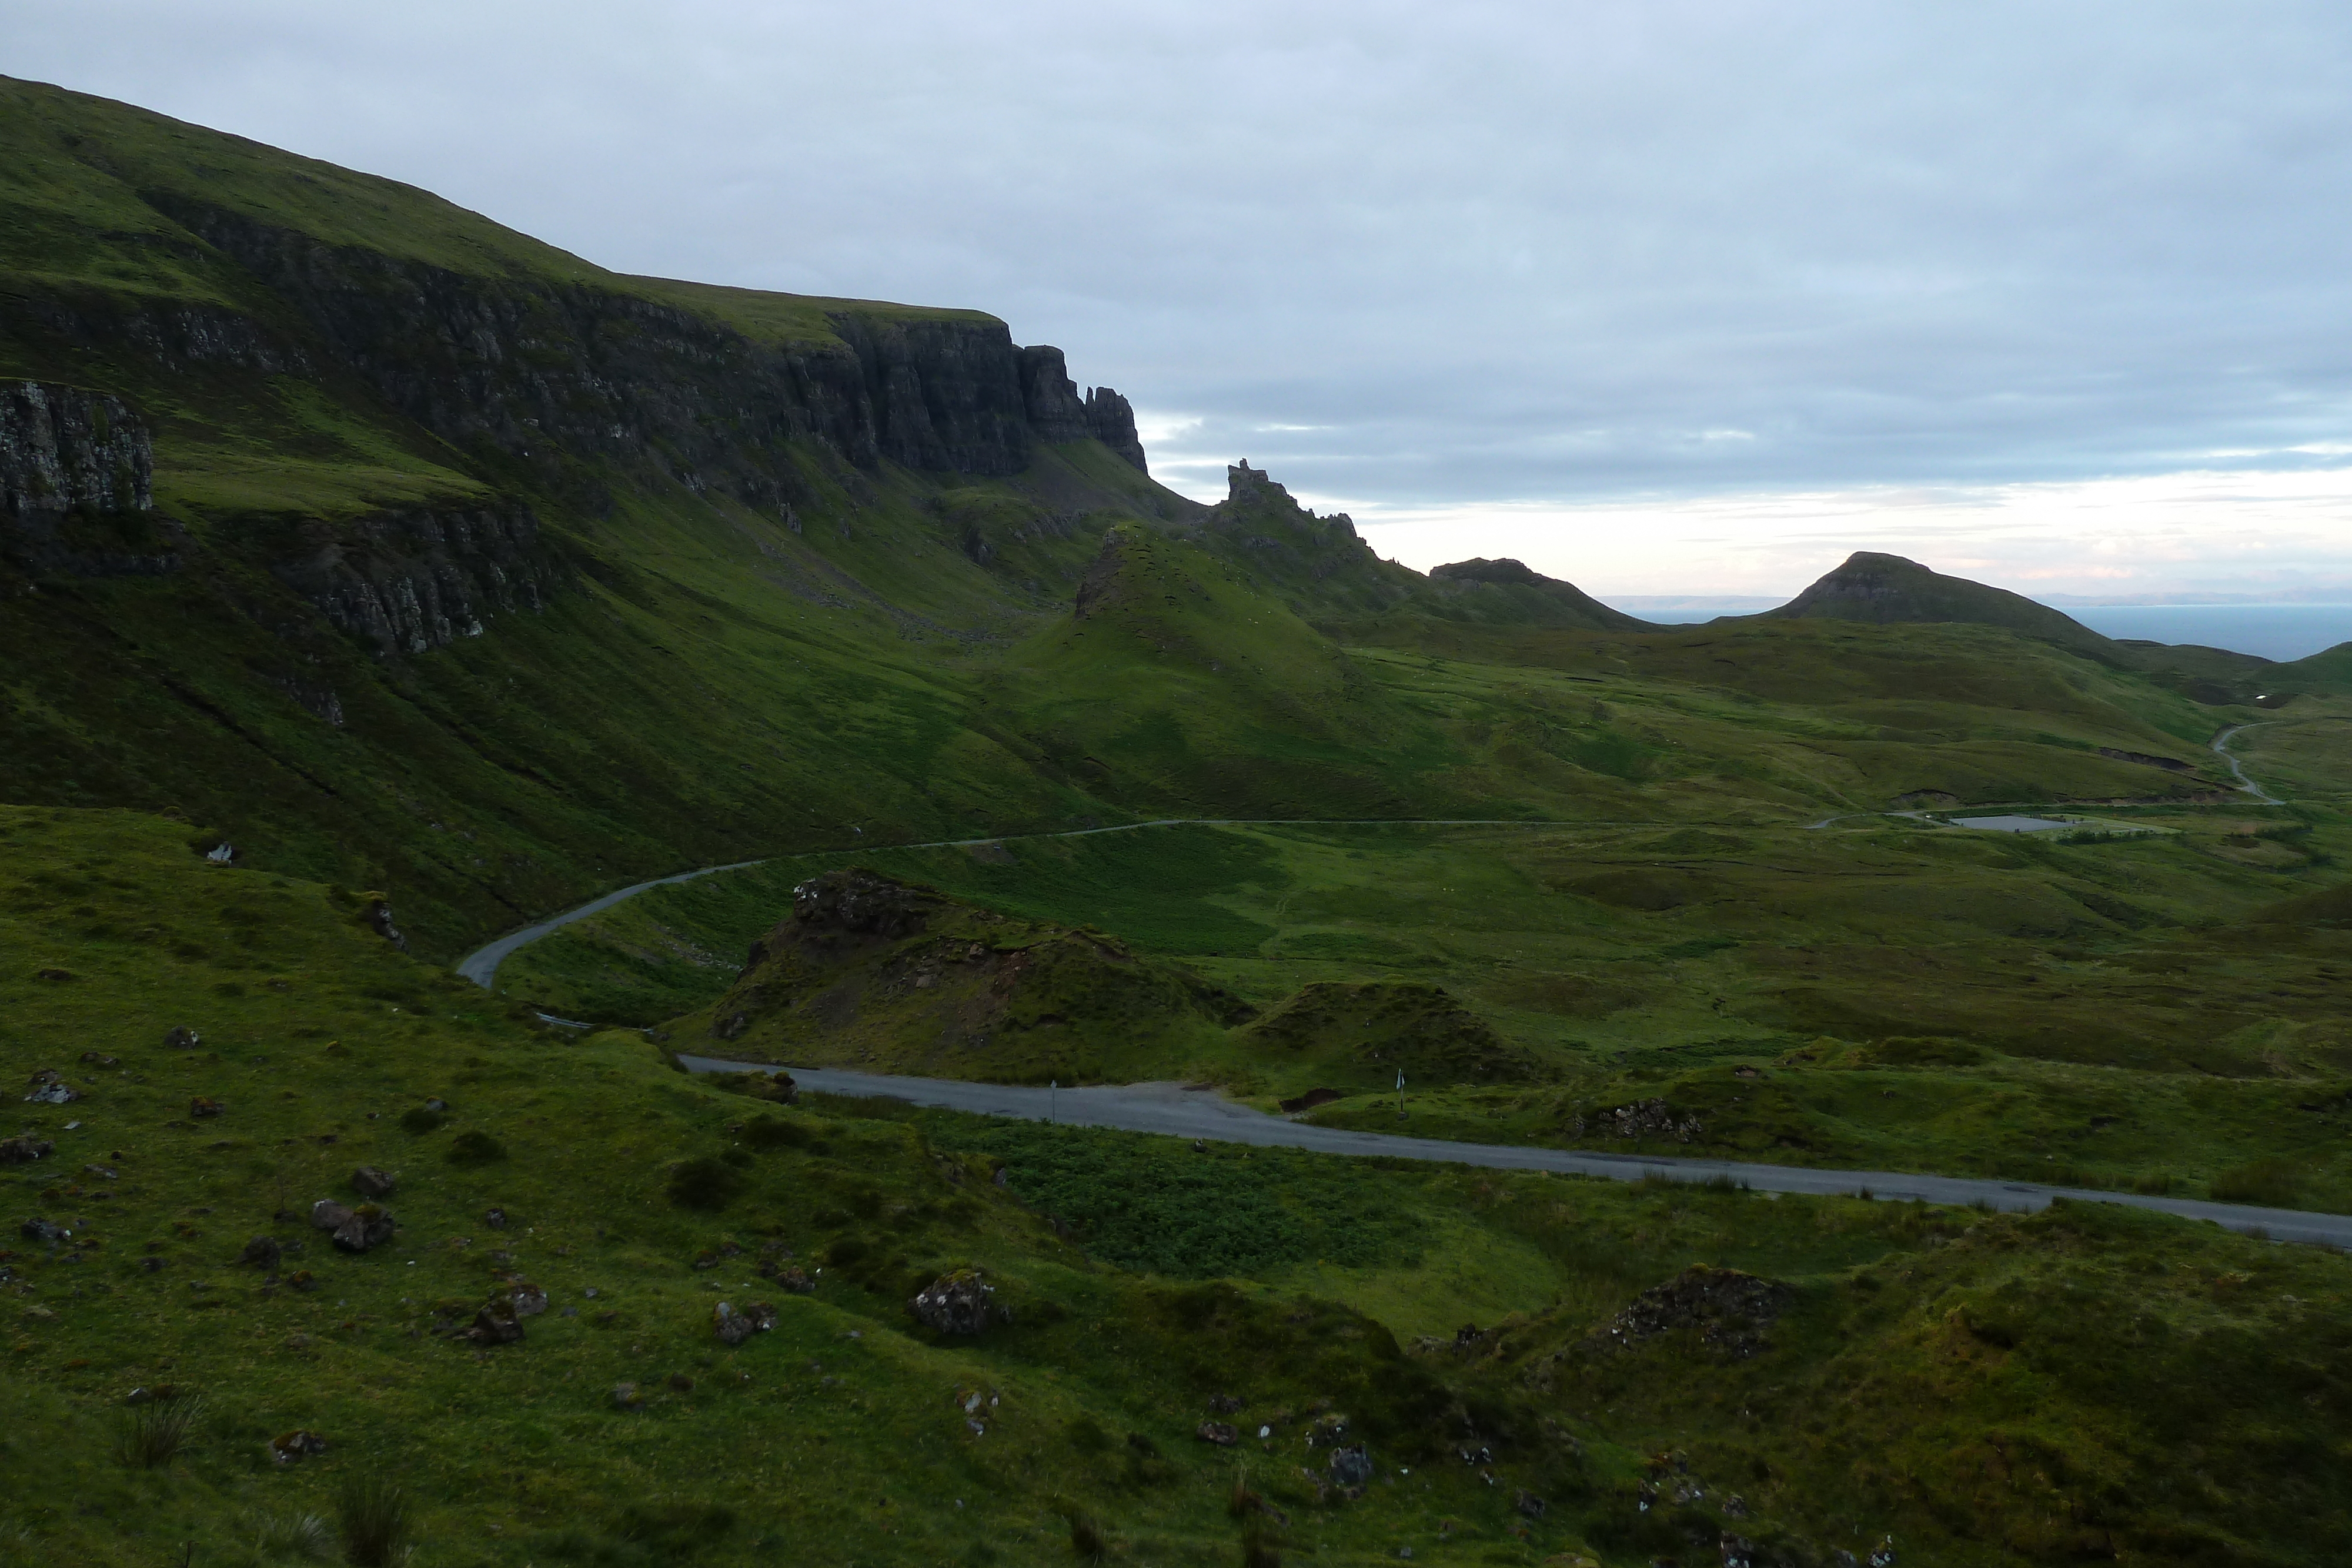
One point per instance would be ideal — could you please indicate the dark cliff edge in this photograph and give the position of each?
(76, 486)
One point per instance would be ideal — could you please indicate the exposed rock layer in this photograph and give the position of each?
(76, 472)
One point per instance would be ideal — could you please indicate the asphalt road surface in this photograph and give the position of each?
(481, 966)
(1177, 1112)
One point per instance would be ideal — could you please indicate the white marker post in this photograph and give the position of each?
(1400, 1093)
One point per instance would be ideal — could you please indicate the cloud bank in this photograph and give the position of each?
(1504, 262)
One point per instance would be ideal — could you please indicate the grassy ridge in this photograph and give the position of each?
(1978, 1420)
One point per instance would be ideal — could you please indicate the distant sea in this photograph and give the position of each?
(2273, 630)
(2280, 632)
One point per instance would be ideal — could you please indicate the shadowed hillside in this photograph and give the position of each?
(1886, 589)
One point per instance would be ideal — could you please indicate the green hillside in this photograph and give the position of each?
(2172, 1389)
(374, 580)
(1886, 589)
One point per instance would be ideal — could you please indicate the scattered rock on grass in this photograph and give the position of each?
(49, 1087)
(496, 1324)
(954, 1304)
(327, 1214)
(626, 1397)
(100, 1059)
(24, 1151)
(734, 1327)
(1218, 1432)
(368, 1225)
(203, 1105)
(300, 1443)
(1223, 1404)
(263, 1253)
(181, 1038)
(1351, 1466)
(797, 1281)
(495, 1220)
(1731, 1310)
(370, 1181)
(1527, 1502)
(43, 1230)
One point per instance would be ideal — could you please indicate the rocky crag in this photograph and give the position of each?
(76, 484)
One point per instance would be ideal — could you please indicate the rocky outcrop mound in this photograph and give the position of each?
(860, 903)
(956, 1303)
(1366, 1032)
(1730, 1310)
(872, 970)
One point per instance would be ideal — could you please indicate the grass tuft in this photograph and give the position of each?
(2271, 1184)
(303, 1537)
(152, 1435)
(1088, 1541)
(372, 1513)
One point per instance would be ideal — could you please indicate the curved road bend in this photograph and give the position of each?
(2222, 745)
(481, 966)
(1177, 1112)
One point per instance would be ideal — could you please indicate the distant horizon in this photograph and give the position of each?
(1654, 300)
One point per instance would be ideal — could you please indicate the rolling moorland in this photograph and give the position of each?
(374, 580)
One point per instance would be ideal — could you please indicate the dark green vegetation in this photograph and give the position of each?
(1983, 1389)
(419, 563)
(885, 973)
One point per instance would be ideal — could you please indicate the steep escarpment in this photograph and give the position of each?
(1056, 412)
(402, 550)
(76, 484)
(409, 582)
(514, 362)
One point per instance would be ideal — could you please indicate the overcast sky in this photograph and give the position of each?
(1662, 297)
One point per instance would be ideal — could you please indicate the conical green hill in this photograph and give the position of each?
(1512, 591)
(1888, 588)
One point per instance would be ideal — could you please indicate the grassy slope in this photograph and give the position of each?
(711, 684)
(1954, 1337)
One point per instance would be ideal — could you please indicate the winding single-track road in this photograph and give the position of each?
(481, 966)
(1175, 1111)
(2221, 747)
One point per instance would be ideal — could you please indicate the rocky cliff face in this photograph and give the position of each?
(518, 363)
(1056, 412)
(77, 473)
(413, 580)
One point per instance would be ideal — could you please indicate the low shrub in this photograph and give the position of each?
(705, 1183)
(776, 1133)
(474, 1148)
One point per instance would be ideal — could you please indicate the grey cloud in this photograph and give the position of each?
(1465, 252)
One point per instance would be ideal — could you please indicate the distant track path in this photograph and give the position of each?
(481, 966)
(1174, 1111)
(2222, 745)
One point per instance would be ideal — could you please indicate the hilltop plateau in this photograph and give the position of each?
(375, 580)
